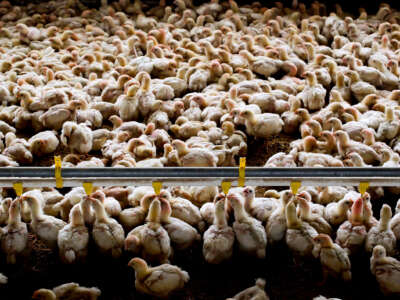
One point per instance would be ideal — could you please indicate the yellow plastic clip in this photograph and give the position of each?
(226, 185)
(57, 172)
(88, 186)
(18, 188)
(157, 185)
(294, 186)
(242, 172)
(363, 187)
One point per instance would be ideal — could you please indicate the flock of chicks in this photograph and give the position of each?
(187, 85)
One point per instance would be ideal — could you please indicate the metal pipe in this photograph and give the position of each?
(251, 172)
(210, 181)
(173, 176)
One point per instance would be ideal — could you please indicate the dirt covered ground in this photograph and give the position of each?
(259, 151)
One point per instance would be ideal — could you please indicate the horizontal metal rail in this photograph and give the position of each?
(171, 176)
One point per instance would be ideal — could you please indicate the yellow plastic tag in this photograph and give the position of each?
(242, 172)
(18, 188)
(294, 186)
(363, 187)
(157, 185)
(88, 186)
(226, 185)
(57, 172)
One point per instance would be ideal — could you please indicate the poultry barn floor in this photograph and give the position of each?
(285, 280)
(260, 150)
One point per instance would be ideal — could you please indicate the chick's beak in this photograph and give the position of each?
(132, 263)
(36, 295)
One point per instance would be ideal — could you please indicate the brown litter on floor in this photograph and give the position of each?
(259, 151)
